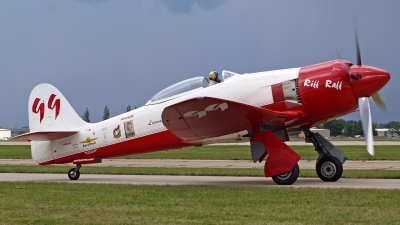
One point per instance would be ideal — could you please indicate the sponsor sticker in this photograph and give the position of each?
(88, 142)
(117, 132)
(129, 129)
(152, 122)
(90, 151)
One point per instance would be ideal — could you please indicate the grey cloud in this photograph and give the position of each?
(93, 2)
(181, 7)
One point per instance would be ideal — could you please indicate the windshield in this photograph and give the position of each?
(181, 87)
(227, 74)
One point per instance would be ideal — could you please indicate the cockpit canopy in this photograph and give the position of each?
(185, 87)
(179, 89)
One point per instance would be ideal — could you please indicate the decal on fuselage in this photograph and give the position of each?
(129, 129)
(90, 151)
(88, 142)
(51, 104)
(117, 132)
(209, 108)
(152, 122)
(311, 83)
(336, 85)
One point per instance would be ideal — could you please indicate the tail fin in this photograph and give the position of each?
(49, 110)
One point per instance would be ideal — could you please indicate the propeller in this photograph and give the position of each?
(364, 107)
(376, 97)
(366, 121)
(379, 101)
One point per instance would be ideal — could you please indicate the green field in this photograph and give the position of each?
(227, 152)
(71, 203)
(54, 203)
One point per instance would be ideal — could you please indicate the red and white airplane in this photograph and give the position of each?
(264, 106)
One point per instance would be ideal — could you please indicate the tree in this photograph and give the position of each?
(106, 113)
(24, 129)
(374, 132)
(86, 116)
(128, 108)
(348, 128)
(335, 126)
(394, 127)
(358, 129)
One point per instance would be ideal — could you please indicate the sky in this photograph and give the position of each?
(117, 53)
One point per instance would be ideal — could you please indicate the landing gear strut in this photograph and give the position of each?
(330, 162)
(74, 173)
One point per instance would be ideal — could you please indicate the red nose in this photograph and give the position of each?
(367, 80)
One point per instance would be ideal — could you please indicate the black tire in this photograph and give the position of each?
(287, 178)
(329, 169)
(73, 175)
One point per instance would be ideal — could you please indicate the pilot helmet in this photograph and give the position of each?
(213, 75)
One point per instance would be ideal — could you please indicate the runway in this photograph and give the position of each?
(200, 180)
(186, 163)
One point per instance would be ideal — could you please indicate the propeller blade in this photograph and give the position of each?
(379, 101)
(358, 50)
(339, 56)
(365, 112)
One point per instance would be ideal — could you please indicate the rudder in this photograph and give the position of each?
(49, 110)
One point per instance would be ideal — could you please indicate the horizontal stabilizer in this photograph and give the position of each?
(206, 117)
(44, 135)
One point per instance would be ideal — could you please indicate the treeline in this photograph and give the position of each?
(351, 128)
(106, 113)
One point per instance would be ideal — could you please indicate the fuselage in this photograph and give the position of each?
(321, 91)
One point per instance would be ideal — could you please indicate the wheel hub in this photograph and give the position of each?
(285, 176)
(328, 169)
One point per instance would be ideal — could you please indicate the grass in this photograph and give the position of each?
(227, 152)
(250, 172)
(55, 203)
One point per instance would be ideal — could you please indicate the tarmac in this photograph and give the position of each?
(200, 180)
(183, 163)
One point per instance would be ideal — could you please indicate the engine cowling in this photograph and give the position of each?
(325, 90)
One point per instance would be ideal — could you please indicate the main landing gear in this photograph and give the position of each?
(287, 178)
(74, 173)
(329, 166)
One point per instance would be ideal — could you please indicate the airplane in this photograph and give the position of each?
(264, 106)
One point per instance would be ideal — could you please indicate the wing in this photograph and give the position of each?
(201, 118)
(44, 135)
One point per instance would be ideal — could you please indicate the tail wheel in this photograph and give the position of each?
(329, 169)
(73, 175)
(287, 178)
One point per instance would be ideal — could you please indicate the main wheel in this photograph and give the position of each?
(287, 178)
(329, 169)
(73, 175)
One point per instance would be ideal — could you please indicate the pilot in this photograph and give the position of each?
(214, 79)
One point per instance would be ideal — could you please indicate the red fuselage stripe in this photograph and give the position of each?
(157, 142)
